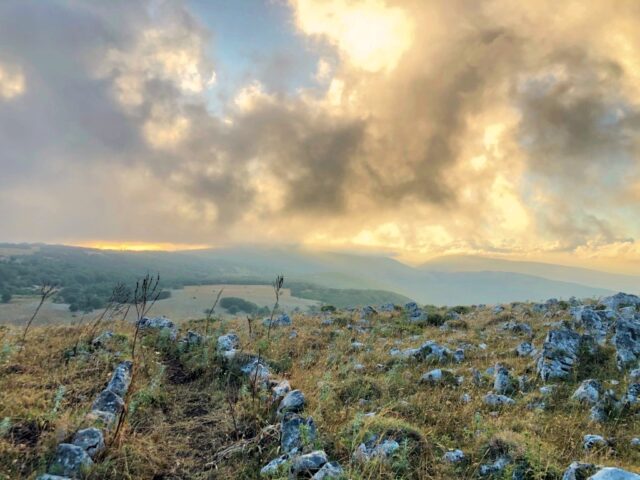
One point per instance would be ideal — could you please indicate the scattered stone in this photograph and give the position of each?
(293, 402)
(280, 389)
(47, 476)
(454, 456)
(633, 394)
(257, 372)
(387, 307)
(559, 354)
(495, 400)
(308, 464)
(627, 342)
(525, 383)
(90, 440)
(589, 392)
(465, 398)
(70, 460)
(610, 473)
(275, 466)
(371, 450)
(159, 323)
(228, 345)
(620, 300)
(495, 467)
(357, 346)
(578, 471)
(121, 378)
(526, 349)
(520, 328)
(591, 441)
(297, 433)
(282, 320)
(502, 381)
(330, 471)
(548, 390)
(438, 377)
(192, 339)
(635, 374)
(102, 340)
(367, 312)
(108, 402)
(635, 442)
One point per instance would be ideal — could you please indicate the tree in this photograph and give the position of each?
(6, 297)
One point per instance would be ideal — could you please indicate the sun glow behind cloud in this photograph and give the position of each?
(424, 128)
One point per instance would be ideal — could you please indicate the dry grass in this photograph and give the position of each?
(180, 423)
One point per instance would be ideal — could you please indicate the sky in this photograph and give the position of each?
(408, 127)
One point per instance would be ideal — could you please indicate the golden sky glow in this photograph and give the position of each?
(410, 127)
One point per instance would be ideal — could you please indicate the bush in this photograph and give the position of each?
(235, 304)
(6, 297)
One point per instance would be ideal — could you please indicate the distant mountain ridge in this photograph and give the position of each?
(443, 281)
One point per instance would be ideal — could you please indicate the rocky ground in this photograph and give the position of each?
(520, 391)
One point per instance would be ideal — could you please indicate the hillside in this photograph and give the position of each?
(523, 391)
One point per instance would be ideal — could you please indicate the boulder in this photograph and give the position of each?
(48, 476)
(330, 471)
(282, 320)
(578, 471)
(387, 307)
(611, 473)
(589, 392)
(108, 402)
(374, 450)
(497, 466)
(454, 456)
(91, 440)
(438, 377)
(620, 300)
(520, 328)
(293, 402)
(257, 372)
(228, 345)
(102, 340)
(627, 343)
(632, 396)
(502, 381)
(309, 464)
(525, 349)
(591, 441)
(275, 467)
(280, 389)
(162, 324)
(297, 433)
(495, 400)
(70, 460)
(121, 378)
(559, 354)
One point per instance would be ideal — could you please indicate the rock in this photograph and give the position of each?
(498, 309)
(387, 307)
(428, 351)
(620, 300)
(192, 339)
(90, 440)
(454, 456)
(627, 343)
(607, 404)
(458, 355)
(465, 398)
(70, 460)
(159, 323)
(524, 383)
(518, 327)
(367, 312)
(308, 464)
(578, 471)
(589, 392)
(591, 441)
(228, 345)
(280, 389)
(297, 433)
(438, 376)
(121, 378)
(282, 320)
(559, 354)
(358, 368)
(102, 340)
(357, 346)
(108, 402)
(257, 372)
(633, 394)
(293, 402)
(275, 466)
(635, 374)
(595, 322)
(495, 400)
(330, 471)
(635, 442)
(497, 466)
(371, 450)
(548, 390)
(526, 349)
(610, 473)
(47, 476)
(415, 313)
(502, 381)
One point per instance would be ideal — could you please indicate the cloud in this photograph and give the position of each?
(430, 127)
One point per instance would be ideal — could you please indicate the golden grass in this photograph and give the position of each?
(182, 405)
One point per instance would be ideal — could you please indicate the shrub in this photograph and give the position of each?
(236, 304)
(6, 297)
